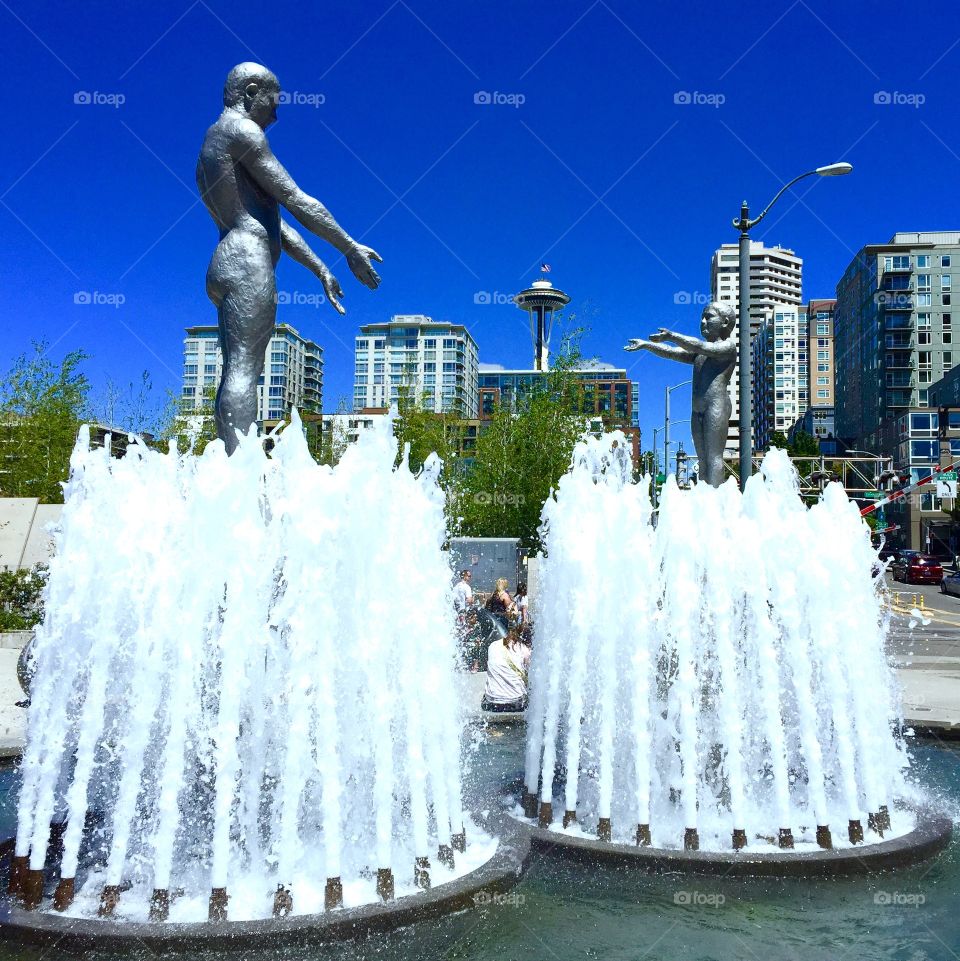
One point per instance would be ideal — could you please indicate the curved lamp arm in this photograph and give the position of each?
(745, 223)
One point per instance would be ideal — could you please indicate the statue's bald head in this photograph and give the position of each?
(254, 89)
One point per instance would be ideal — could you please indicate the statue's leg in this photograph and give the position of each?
(699, 445)
(247, 317)
(716, 420)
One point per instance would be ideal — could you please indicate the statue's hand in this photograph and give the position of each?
(636, 343)
(359, 258)
(661, 335)
(332, 289)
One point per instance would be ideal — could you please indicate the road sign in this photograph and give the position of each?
(947, 486)
(871, 495)
(950, 475)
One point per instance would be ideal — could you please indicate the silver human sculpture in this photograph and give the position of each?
(243, 186)
(713, 360)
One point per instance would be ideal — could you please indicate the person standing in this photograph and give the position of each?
(520, 602)
(466, 621)
(463, 592)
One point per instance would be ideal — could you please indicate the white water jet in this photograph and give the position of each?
(245, 679)
(751, 691)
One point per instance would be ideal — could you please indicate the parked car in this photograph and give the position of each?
(916, 568)
(950, 584)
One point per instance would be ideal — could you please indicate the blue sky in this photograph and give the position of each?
(591, 165)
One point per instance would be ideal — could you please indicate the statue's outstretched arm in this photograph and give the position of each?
(297, 249)
(661, 350)
(695, 345)
(253, 151)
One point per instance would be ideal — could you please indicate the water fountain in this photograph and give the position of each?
(713, 688)
(244, 709)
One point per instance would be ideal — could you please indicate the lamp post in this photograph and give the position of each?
(656, 466)
(744, 223)
(666, 423)
(666, 447)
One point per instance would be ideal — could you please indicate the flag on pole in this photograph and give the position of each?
(545, 268)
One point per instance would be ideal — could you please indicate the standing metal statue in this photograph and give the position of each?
(713, 360)
(243, 186)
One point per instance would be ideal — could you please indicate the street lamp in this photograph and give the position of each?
(666, 423)
(743, 223)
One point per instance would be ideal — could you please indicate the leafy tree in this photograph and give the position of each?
(21, 598)
(521, 456)
(804, 445)
(191, 427)
(132, 408)
(779, 439)
(42, 405)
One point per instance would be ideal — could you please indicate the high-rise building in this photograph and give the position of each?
(292, 372)
(893, 330)
(820, 334)
(411, 355)
(776, 275)
(780, 373)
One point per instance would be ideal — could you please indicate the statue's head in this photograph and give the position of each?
(717, 322)
(255, 90)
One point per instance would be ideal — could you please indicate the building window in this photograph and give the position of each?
(923, 281)
(945, 260)
(924, 300)
(923, 260)
(823, 329)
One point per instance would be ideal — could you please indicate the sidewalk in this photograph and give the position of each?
(13, 720)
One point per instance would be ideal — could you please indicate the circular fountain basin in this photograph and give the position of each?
(478, 887)
(929, 835)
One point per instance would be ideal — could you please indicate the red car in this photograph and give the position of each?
(917, 569)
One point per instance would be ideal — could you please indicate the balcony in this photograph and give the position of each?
(908, 269)
(902, 360)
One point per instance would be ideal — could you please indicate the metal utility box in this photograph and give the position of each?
(489, 558)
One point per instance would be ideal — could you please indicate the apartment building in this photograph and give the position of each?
(292, 372)
(414, 356)
(776, 280)
(893, 329)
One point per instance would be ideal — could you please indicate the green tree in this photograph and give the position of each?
(521, 456)
(779, 439)
(21, 598)
(804, 445)
(191, 427)
(42, 405)
(133, 408)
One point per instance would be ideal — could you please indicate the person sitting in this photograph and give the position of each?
(507, 663)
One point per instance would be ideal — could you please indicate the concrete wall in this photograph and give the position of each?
(24, 540)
